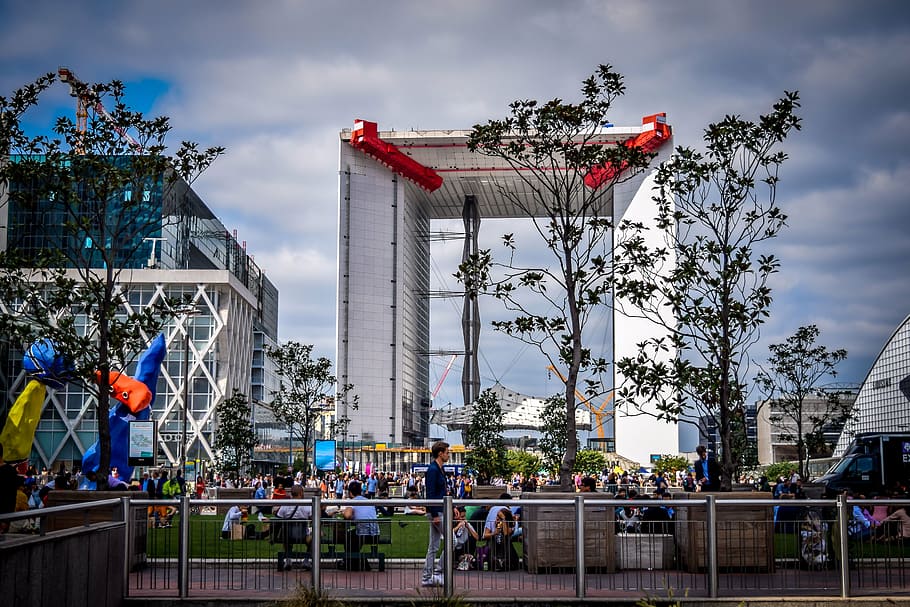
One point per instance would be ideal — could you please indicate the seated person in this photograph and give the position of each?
(903, 518)
(417, 509)
(464, 540)
(385, 510)
(499, 539)
(656, 519)
(234, 516)
(365, 530)
(858, 527)
(296, 532)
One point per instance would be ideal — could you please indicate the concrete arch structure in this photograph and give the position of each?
(387, 201)
(883, 401)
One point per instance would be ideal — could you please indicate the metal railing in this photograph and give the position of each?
(575, 546)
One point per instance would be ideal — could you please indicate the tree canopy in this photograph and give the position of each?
(307, 388)
(792, 377)
(551, 147)
(706, 282)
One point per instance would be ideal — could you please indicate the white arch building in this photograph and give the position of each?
(391, 186)
(883, 402)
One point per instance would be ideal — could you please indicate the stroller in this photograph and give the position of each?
(814, 540)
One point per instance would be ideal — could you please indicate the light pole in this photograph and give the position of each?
(354, 438)
(187, 312)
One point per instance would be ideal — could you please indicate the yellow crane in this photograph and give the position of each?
(600, 413)
(87, 98)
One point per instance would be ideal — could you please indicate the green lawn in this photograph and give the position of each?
(409, 540)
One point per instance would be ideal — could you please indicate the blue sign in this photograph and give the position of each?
(325, 455)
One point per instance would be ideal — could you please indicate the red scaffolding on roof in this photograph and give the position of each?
(365, 138)
(657, 133)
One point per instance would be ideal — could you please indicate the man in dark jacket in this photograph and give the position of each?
(707, 471)
(435, 489)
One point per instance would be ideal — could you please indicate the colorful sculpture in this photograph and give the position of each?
(43, 362)
(147, 370)
(19, 429)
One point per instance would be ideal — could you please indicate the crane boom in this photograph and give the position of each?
(85, 98)
(600, 413)
(444, 373)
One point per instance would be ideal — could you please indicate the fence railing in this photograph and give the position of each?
(581, 546)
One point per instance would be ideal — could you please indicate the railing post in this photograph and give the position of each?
(317, 543)
(711, 544)
(843, 528)
(579, 547)
(183, 548)
(127, 542)
(448, 556)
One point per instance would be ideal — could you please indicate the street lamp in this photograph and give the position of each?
(186, 312)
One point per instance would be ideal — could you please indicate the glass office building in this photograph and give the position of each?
(182, 250)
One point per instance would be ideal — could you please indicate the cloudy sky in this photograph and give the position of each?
(275, 82)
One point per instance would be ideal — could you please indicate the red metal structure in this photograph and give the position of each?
(365, 138)
(649, 140)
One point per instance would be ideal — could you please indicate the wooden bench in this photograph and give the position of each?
(332, 535)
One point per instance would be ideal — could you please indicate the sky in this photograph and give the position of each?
(275, 82)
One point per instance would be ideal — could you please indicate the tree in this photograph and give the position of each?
(307, 387)
(703, 284)
(89, 197)
(522, 462)
(671, 463)
(552, 147)
(780, 470)
(795, 369)
(484, 436)
(553, 435)
(590, 461)
(235, 436)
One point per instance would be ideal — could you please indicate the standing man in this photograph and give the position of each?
(707, 471)
(435, 489)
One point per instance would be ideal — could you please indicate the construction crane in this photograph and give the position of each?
(444, 373)
(85, 98)
(600, 413)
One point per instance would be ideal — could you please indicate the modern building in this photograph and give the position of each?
(392, 186)
(883, 401)
(777, 430)
(214, 348)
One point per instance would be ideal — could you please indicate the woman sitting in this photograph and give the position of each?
(499, 539)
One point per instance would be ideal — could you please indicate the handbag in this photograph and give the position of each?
(290, 532)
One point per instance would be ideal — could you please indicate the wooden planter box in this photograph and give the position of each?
(224, 493)
(550, 538)
(79, 518)
(645, 550)
(488, 492)
(745, 535)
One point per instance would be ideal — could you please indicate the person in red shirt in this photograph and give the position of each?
(200, 487)
(278, 493)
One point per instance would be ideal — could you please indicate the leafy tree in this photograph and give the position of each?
(705, 284)
(671, 463)
(794, 371)
(551, 147)
(235, 436)
(780, 469)
(552, 441)
(522, 462)
(306, 388)
(89, 195)
(484, 436)
(590, 461)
